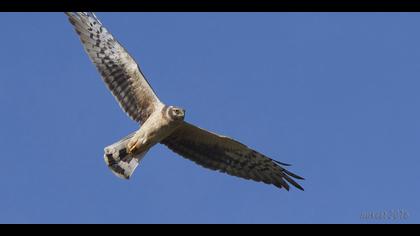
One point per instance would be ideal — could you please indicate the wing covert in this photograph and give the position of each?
(226, 155)
(118, 69)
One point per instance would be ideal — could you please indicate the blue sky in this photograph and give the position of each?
(334, 94)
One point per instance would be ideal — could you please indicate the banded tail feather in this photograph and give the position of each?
(121, 163)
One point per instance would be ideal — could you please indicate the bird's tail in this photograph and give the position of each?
(119, 160)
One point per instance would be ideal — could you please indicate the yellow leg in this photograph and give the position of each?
(132, 145)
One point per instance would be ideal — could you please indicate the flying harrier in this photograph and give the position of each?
(165, 124)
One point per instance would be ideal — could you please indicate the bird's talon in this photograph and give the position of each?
(131, 150)
(132, 147)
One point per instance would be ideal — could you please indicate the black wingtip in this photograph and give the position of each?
(282, 163)
(300, 188)
(293, 175)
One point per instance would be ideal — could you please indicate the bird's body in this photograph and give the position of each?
(157, 127)
(160, 124)
(165, 124)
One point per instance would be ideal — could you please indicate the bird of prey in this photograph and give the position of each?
(164, 124)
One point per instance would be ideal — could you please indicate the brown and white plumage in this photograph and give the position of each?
(226, 155)
(165, 124)
(119, 71)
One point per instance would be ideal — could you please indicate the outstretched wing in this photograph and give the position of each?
(227, 155)
(119, 71)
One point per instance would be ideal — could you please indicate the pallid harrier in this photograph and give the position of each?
(165, 124)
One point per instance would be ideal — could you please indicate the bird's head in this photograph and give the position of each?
(176, 113)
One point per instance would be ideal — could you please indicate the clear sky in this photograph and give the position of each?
(334, 94)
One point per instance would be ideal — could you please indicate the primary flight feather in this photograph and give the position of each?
(164, 124)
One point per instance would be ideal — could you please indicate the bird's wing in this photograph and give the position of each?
(224, 154)
(119, 71)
